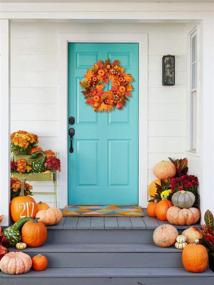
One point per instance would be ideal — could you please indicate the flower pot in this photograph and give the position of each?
(211, 261)
(22, 156)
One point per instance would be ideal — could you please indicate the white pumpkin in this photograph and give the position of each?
(181, 239)
(192, 234)
(183, 199)
(51, 216)
(165, 235)
(15, 263)
(180, 245)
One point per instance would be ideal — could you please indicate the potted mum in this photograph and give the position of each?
(187, 183)
(208, 236)
(16, 187)
(39, 162)
(22, 142)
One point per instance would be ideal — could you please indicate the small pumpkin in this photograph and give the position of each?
(151, 209)
(34, 233)
(180, 245)
(21, 245)
(23, 206)
(51, 216)
(152, 188)
(161, 209)
(42, 206)
(195, 258)
(164, 169)
(192, 234)
(40, 262)
(177, 216)
(165, 235)
(183, 199)
(181, 239)
(180, 242)
(15, 263)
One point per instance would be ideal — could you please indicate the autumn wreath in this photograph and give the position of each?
(96, 79)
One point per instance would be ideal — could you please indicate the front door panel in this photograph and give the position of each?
(103, 169)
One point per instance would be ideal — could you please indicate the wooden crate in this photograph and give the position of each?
(43, 176)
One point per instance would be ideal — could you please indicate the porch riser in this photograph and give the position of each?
(109, 260)
(108, 281)
(100, 236)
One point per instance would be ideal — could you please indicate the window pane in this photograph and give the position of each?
(193, 125)
(194, 75)
(194, 48)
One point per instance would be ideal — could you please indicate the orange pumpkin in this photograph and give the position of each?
(177, 216)
(23, 206)
(40, 262)
(161, 209)
(151, 209)
(34, 233)
(164, 169)
(51, 216)
(152, 188)
(42, 206)
(195, 258)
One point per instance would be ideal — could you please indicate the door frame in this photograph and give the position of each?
(63, 41)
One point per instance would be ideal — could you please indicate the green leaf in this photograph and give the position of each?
(209, 219)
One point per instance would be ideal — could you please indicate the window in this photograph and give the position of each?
(193, 92)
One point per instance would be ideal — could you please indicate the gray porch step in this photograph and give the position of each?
(59, 236)
(110, 276)
(104, 230)
(109, 255)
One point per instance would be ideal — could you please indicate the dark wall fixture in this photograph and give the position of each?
(168, 70)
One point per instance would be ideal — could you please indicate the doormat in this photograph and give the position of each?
(103, 211)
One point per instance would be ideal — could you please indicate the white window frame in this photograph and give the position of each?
(193, 94)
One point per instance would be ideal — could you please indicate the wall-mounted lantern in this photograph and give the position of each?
(168, 70)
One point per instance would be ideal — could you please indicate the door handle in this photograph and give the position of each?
(71, 120)
(71, 133)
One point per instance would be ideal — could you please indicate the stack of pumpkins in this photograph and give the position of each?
(194, 255)
(29, 229)
(178, 210)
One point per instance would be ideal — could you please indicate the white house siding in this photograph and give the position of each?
(35, 85)
(4, 122)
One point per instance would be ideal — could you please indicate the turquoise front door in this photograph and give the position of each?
(103, 168)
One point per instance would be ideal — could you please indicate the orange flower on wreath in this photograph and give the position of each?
(95, 80)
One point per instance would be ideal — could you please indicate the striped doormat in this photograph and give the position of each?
(103, 211)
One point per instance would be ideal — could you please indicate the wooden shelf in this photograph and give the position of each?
(43, 176)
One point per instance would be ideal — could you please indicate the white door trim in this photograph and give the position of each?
(142, 40)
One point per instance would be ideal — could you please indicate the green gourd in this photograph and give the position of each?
(38, 166)
(12, 233)
(38, 162)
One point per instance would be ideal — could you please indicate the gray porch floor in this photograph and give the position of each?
(109, 223)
